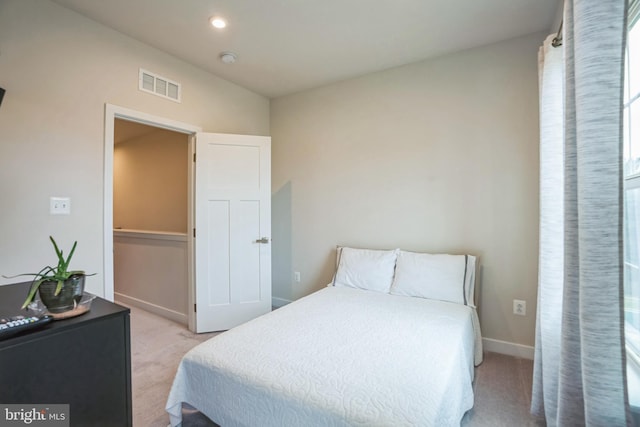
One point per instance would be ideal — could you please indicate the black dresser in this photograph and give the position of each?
(83, 361)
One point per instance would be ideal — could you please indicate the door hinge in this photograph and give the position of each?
(194, 232)
(194, 157)
(194, 308)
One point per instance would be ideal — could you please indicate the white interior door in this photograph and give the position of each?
(232, 229)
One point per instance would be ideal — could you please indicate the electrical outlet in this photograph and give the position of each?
(296, 276)
(519, 307)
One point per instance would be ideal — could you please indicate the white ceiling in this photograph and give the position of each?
(285, 46)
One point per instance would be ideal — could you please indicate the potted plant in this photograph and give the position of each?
(60, 289)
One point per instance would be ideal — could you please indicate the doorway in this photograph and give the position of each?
(150, 216)
(113, 113)
(233, 175)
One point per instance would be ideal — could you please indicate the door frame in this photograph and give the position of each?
(111, 113)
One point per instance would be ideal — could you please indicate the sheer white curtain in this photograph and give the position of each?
(551, 258)
(579, 366)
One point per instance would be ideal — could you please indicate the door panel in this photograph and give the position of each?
(248, 226)
(217, 268)
(234, 168)
(232, 214)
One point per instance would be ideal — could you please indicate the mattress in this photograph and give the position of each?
(338, 357)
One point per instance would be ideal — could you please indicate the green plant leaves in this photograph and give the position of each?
(59, 274)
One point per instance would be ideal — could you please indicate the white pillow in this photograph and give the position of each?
(367, 269)
(435, 276)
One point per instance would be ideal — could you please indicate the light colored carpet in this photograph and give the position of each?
(157, 346)
(502, 391)
(502, 385)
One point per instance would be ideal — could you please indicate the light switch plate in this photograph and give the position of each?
(60, 206)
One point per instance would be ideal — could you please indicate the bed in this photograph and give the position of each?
(383, 345)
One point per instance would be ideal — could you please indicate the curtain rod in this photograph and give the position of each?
(557, 40)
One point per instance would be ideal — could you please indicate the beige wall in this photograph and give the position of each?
(150, 272)
(150, 181)
(438, 156)
(59, 70)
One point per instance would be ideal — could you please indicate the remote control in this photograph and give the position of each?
(16, 324)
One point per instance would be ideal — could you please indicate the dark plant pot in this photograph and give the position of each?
(68, 297)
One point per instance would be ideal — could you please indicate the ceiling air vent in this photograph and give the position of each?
(158, 85)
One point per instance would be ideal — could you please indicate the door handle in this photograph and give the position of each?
(263, 240)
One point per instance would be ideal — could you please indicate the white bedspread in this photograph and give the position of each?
(338, 357)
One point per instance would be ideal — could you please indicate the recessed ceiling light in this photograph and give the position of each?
(218, 22)
(228, 57)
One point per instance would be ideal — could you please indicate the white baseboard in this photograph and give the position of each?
(279, 302)
(508, 348)
(152, 308)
